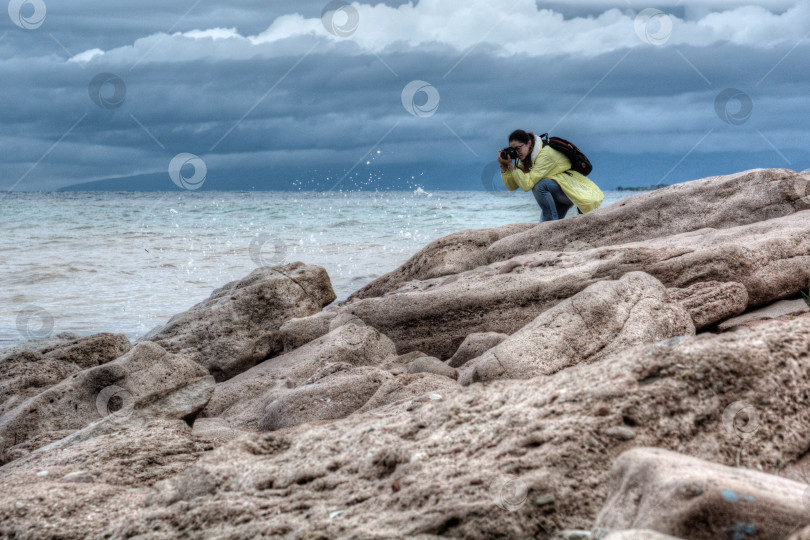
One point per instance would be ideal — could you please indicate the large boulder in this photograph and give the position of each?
(683, 496)
(145, 383)
(717, 202)
(238, 325)
(607, 317)
(32, 367)
(517, 459)
(241, 401)
(771, 259)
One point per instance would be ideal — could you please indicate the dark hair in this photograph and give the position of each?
(524, 137)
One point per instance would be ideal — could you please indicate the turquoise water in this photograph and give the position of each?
(90, 262)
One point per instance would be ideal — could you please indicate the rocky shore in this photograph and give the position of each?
(640, 371)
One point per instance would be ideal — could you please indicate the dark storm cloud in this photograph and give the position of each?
(308, 103)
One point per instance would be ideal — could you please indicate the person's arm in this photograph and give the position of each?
(506, 176)
(544, 165)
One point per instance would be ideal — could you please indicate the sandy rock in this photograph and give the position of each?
(146, 382)
(241, 400)
(398, 365)
(334, 395)
(716, 202)
(687, 497)
(475, 345)
(771, 259)
(238, 325)
(448, 255)
(428, 364)
(605, 318)
(710, 302)
(519, 459)
(91, 483)
(299, 331)
(782, 308)
(638, 534)
(29, 369)
(214, 430)
(407, 387)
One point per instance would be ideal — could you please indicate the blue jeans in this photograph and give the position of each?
(552, 200)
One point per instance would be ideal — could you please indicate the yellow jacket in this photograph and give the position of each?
(550, 163)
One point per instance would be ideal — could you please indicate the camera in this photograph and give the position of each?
(509, 153)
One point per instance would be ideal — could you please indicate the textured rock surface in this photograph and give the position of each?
(299, 331)
(242, 400)
(718, 202)
(29, 369)
(771, 259)
(691, 498)
(428, 364)
(117, 471)
(335, 394)
(607, 317)
(238, 325)
(710, 302)
(475, 345)
(512, 458)
(144, 383)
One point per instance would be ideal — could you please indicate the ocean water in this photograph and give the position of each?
(88, 262)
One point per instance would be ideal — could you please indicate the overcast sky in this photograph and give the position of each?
(198, 94)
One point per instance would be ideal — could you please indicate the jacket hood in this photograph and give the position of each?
(538, 145)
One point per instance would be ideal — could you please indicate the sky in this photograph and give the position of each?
(317, 95)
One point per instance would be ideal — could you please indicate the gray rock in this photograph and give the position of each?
(687, 497)
(605, 318)
(143, 384)
(241, 400)
(299, 331)
(771, 259)
(30, 368)
(475, 345)
(238, 325)
(428, 364)
(334, 395)
(710, 302)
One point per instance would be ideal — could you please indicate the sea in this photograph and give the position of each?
(125, 262)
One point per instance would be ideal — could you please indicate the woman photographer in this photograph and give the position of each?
(547, 173)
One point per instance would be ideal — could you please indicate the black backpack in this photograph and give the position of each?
(579, 162)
